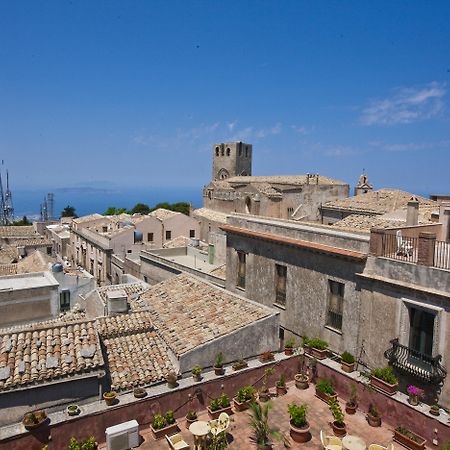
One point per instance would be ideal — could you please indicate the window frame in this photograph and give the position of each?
(280, 285)
(334, 315)
(241, 269)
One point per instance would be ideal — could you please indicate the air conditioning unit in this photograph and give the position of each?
(123, 436)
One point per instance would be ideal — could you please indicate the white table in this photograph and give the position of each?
(199, 429)
(350, 442)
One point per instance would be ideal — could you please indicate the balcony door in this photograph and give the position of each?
(421, 329)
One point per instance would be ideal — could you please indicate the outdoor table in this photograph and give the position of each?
(199, 429)
(350, 442)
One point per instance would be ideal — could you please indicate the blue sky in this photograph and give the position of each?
(134, 93)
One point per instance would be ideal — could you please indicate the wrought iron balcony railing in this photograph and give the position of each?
(409, 361)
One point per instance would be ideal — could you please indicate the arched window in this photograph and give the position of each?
(217, 151)
(228, 151)
(246, 151)
(248, 205)
(222, 152)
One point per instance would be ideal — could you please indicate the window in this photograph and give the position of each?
(222, 152)
(192, 233)
(335, 304)
(421, 327)
(105, 229)
(228, 152)
(168, 234)
(290, 212)
(217, 151)
(149, 237)
(241, 270)
(64, 300)
(280, 284)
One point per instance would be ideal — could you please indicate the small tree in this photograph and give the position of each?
(259, 421)
(140, 208)
(68, 211)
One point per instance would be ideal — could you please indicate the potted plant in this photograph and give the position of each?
(259, 422)
(197, 373)
(373, 416)
(163, 424)
(281, 385)
(238, 365)
(139, 392)
(191, 417)
(352, 402)
(318, 348)
(325, 389)
(218, 364)
(414, 393)
(338, 425)
(33, 420)
(86, 444)
(301, 378)
(409, 439)
(298, 425)
(73, 410)
(383, 379)
(434, 410)
(244, 396)
(219, 405)
(306, 346)
(264, 394)
(171, 379)
(347, 362)
(289, 346)
(266, 357)
(109, 397)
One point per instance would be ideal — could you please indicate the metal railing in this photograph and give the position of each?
(334, 320)
(441, 257)
(407, 360)
(400, 247)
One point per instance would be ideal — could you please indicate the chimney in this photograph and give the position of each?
(412, 212)
(117, 302)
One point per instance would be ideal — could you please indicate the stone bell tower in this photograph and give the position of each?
(231, 159)
(363, 186)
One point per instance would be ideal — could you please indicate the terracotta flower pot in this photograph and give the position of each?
(339, 429)
(288, 351)
(109, 398)
(389, 389)
(416, 443)
(189, 422)
(139, 392)
(301, 381)
(325, 397)
(281, 390)
(219, 370)
(350, 408)
(319, 354)
(215, 414)
(264, 396)
(161, 432)
(413, 400)
(434, 411)
(346, 367)
(374, 421)
(241, 406)
(300, 434)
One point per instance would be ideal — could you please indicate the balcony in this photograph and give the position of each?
(423, 367)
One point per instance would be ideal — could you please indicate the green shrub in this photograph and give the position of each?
(325, 386)
(219, 360)
(170, 418)
(196, 370)
(214, 404)
(336, 410)
(158, 422)
(318, 344)
(224, 401)
(297, 414)
(282, 381)
(386, 374)
(245, 394)
(191, 415)
(348, 358)
(86, 444)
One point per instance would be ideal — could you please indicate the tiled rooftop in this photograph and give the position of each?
(33, 242)
(124, 324)
(8, 269)
(44, 354)
(133, 290)
(13, 231)
(285, 179)
(377, 202)
(163, 214)
(188, 312)
(210, 214)
(88, 218)
(365, 223)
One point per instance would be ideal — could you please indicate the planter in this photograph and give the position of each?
(288, 351)
(325, 397)
(350, 409)
(377, 383)
(197, 378)
(346, 367)
(434, 410)
(264, 396)
(33, 425)
(374, 421)
(73, 410)
(413, 400)
(300, 434)
(241, 406)
(307, 349)
(301, 381)
(189, 422)
(219, 370)
(238, 365)
(339, 429)
(413, 441)
(215, 414)
(139, 392)
(319, 354)
(161, 432)
(109, 398)
(281, 390)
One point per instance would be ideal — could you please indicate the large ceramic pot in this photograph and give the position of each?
(339, 429)
(300, 434)
(351, 408)
(301, 381)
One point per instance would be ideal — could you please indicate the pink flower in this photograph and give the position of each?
(414, 390)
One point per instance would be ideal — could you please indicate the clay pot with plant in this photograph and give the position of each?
(434, 410)
(34, 419)
(197, 373)
(414, 394)
(298, 426)
(264, 394)
(266, 357)
(325, 389)
(238, 365)
(281, 385)
(219, 405)
(374, 416)
(301, 377)
(244, 396)
(218, 364)
(338, 424)
(383, 379)
(289, 346)
(171, 379)
(162, 424)
(347, 362)
(409, 439)
(319, 348)
(110, 397)
(139, 392)
(352, 403)
(191, 417)
(73, 410)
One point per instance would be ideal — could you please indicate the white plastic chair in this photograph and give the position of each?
(330, 442)
(404, 247)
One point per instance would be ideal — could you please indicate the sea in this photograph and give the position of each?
(89, 200)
